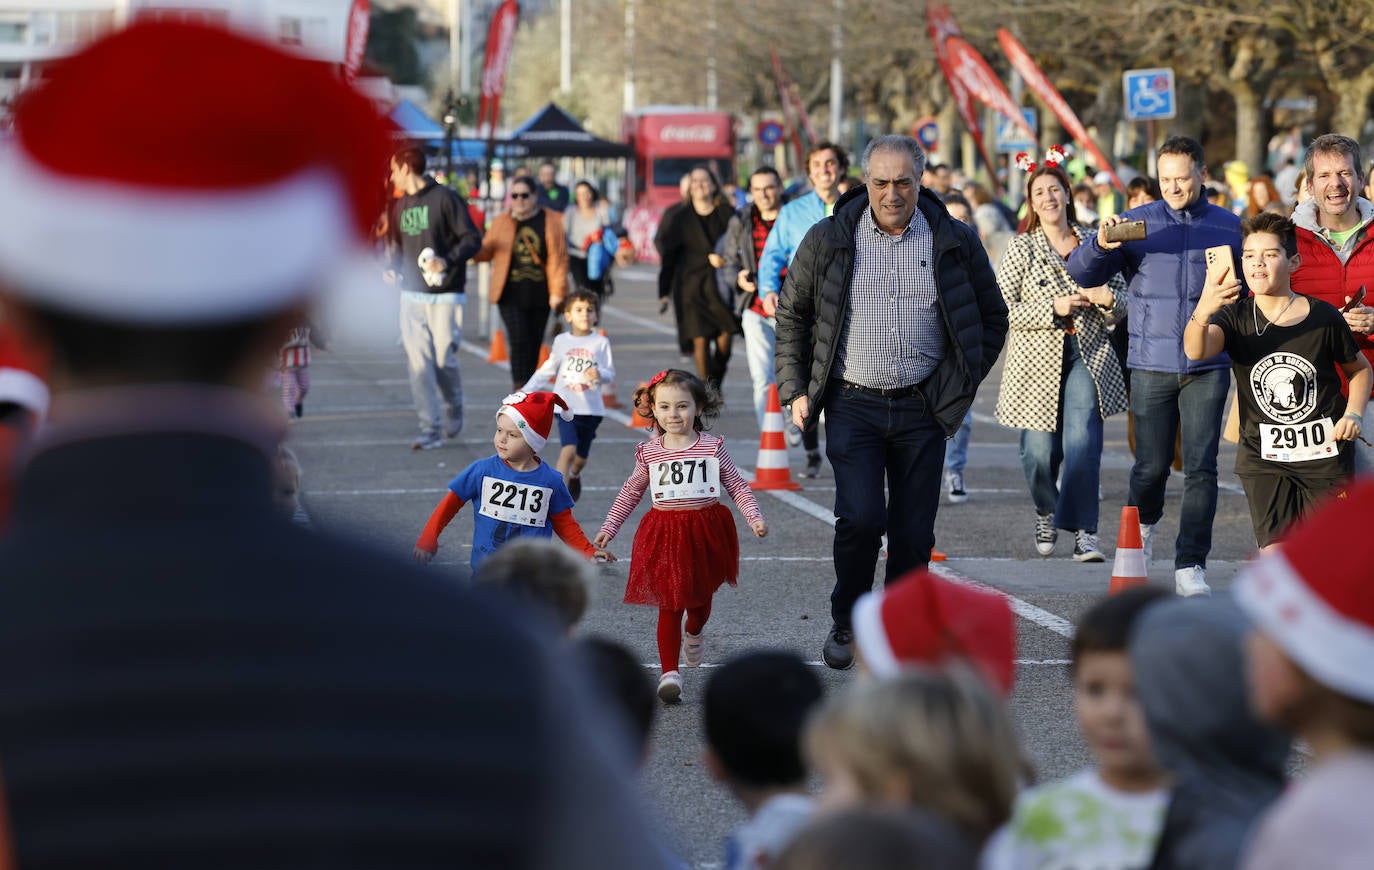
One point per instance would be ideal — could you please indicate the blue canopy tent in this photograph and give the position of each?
(412, 123)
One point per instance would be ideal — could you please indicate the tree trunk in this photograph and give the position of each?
(1249, 127)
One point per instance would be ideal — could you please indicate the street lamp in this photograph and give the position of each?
(450, 122)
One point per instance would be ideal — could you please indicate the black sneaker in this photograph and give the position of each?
(813, 464)
(575, 488)
(838, 651)
(1045, 534)
(1085, 548)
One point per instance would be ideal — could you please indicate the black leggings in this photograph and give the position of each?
(577, 270)
(524, 332)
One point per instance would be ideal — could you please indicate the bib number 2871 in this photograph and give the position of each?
(522, 504)
(676, 479)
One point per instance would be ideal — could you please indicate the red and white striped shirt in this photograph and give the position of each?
(652, 452)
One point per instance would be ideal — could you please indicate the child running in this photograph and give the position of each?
(686, 543)
(1106, 817)
(578, 363)
(516, 494)
(1296, 428)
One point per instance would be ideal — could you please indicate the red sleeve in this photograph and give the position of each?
(570, 532)
(438, 521)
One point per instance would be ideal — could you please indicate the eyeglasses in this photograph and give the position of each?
(520, 195)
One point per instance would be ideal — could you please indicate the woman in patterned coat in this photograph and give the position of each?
(1062, 378)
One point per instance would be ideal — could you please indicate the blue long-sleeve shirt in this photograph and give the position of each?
(794, 220)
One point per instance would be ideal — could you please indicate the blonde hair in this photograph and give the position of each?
(941, 732)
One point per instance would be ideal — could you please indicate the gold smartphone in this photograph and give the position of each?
(1220, 260)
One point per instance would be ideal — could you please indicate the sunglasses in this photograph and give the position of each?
(520, 195)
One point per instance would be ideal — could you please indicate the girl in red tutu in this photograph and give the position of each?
(686, 543)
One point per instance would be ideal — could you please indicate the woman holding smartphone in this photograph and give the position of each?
(1062, 377)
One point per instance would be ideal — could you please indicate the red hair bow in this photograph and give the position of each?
(657, 379)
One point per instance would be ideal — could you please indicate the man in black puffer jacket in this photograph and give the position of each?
(890, 318)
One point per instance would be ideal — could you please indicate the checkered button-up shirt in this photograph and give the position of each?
(892, 335)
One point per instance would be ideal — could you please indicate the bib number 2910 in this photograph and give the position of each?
(1301, 442)
(517, 503)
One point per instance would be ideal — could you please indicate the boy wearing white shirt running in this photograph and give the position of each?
(578, 362)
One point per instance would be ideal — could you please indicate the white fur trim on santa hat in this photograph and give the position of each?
(24, 388)
(870, 633)
(161, 256)
(1333, 649)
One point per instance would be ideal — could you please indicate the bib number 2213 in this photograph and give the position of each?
(521, 504)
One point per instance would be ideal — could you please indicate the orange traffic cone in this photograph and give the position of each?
(637, 420)
(543, 355)
(1129, 568)
(772, 471)
(937, 556)
(498, 354)
(608, 397)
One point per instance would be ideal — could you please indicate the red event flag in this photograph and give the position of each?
(500, 39)
(941, 26)
(973, 71)
(355, 40)
(1037, 82)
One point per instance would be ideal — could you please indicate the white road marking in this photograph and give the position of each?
(1024, 609)
(820, 664)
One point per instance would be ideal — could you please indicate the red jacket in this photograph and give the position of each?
(1323, 276)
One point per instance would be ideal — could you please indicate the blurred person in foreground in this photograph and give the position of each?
(756, 705)
(879, 838)
(198, 682)
(1308, 658)
(1226, 765)
(1109, 815)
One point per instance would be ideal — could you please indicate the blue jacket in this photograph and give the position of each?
(1164, 275)
(798, 216)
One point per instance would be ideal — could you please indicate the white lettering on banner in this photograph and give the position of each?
(519, 503)
(681, 479)
(1300, 442)
(694, 133)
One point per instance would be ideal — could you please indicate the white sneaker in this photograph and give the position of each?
(1147, 541)
(693, 648)
(1045, 534)
(670, 687)
(1191, 581)
(954, 488)
(1085, 548)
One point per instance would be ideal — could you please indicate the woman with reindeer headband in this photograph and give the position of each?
(1062, 377)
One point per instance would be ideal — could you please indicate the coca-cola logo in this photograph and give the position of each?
(692, 133)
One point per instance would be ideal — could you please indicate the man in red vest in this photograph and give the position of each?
(1336, 245)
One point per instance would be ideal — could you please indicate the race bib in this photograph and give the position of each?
(679, 479)
(519, 503)
(1299, 442)
(580, 373)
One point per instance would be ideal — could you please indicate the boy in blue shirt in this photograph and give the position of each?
(514, 492)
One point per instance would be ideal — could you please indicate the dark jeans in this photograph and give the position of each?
(1075, 444)
(525, 333)
(878, 446)
(1163, 403)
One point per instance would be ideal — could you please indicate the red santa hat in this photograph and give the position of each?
(23, 372)
(532, 413)
(924, 619)
(1312, 596)
(180, 174)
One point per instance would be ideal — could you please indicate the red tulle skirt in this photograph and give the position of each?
(682, 557)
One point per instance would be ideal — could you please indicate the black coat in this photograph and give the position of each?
(815, 296)
(187, 679)
(686, 240)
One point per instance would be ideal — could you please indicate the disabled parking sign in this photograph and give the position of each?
(1149, 94)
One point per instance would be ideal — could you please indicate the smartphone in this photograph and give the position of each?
(1130, 231)
(1355, 301)
(1220, 259)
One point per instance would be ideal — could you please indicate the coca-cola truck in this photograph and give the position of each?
(668, 141)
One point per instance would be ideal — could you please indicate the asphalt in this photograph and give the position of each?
(361, 477)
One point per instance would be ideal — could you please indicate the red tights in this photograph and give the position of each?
(670, 632)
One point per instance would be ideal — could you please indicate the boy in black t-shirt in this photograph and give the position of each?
(1284, 350)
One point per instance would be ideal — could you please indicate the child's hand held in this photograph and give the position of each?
(600, 541)
(760, 528)
(423, 556)
(604, 555)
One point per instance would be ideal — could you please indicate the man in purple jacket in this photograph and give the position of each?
(1165, 272)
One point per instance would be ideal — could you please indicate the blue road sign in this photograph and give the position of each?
(1149, 94)
(1011, 138)
(770, 132)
